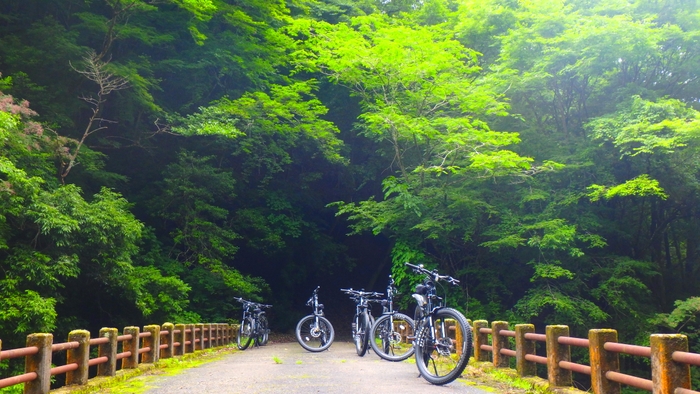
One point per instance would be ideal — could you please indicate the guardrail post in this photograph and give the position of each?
(199, 337)
(207, 336)
(480, 339)
(108, 350)
(179, 344)
(132, 345)
(80, 356)
(167, 339)
(522, 347)
(667, 374)
(499, 342)
(557, 352)
(603, 361)
(190, 345)
(39, 363)
(152, 342)
(217, 334)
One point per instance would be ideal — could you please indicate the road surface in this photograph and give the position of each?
(288, 369)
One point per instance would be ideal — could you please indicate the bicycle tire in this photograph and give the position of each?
(264, 336)
(362, 335)
(392, 343)
(313, 338)
(440, 361)
(245, 334)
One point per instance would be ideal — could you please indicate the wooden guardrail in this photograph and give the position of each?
(147, 346)
(668, 353)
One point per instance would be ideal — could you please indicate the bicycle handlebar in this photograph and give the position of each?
(434, 275)
(251, 303)
(359, 293)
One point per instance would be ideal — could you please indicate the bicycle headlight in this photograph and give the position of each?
(420, 299)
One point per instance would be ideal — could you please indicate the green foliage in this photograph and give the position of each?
(642, 126)
(543, 152)
(641, 186)
(683, 314)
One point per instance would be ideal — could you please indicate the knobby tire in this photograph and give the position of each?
(264, 329)
(315, 338)
(245, 334)
(362, 334)
(438, 361)
(392, 343)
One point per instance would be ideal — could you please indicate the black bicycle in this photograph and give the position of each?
(254, 325)
(363, 319)
(314, 332)
(443, 342)
(391, 335)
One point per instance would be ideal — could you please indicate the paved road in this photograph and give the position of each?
(287, 368)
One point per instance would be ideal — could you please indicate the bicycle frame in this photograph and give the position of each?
(429, 303)
(253, 312)
(314, 332)
(317, 308)
(363, 319)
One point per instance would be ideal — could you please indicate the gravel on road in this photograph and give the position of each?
(289, 369)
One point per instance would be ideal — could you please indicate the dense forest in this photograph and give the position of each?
(160, 157)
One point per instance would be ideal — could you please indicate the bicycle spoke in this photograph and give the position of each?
(446, 348)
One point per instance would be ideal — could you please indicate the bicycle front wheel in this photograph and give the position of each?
(362, 334)
(389, 337)
(264, 336)
(245, 332)
(443, 352)
(315, 333)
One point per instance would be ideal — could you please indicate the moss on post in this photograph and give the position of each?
(80, 356)
(108, 350)
(190, 339)
(39, 363)
(132, 346)
(179, 344)
(499, 342)
(207, 336)
(667, 374)
(524, 347)
(557, 352)
(480, 339)
(167, 339)
(199, 336)
(151, 342)
(603, 361)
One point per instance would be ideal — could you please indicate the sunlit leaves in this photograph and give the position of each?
(640, 186)
(643, 126)
(289, 114)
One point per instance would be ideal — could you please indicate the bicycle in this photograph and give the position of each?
(314, 332)
(440, 355)
(390, 333)
(254, 325)
(363, 319)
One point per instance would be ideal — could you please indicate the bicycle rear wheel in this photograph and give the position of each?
(313, 335)
(442, 355)
(245, 332)
(361, 336)
(264, 336)
(389, 337)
